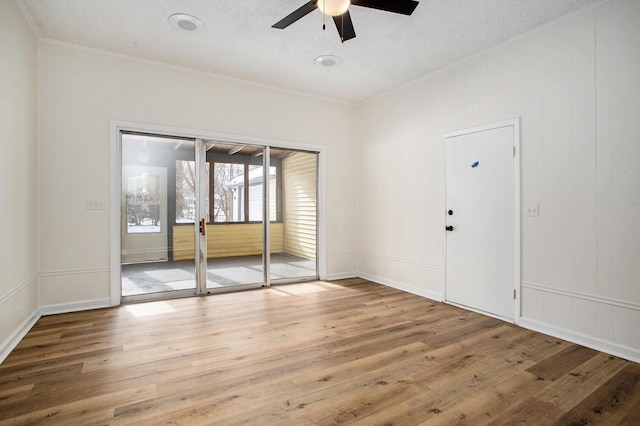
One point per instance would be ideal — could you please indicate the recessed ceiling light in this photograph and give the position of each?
(185, 22)
(328, 61)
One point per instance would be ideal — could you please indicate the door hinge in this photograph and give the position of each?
(514, 151)
(514, 294)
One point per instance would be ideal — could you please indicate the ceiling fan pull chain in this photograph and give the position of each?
(324, 17)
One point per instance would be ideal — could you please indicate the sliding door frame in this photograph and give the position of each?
(266, 215)
(265, 232)
(116, 129)
(200, 213)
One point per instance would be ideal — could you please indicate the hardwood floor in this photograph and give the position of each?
(349, 351)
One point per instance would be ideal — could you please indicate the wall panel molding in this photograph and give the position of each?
(19, 288)
(583, 296)
(400, 260)
(341, 252)
(74, 272)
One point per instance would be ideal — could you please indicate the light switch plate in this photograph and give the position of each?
(95, 204)
(533, 210)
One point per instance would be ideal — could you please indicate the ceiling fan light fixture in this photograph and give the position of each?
(333, 7)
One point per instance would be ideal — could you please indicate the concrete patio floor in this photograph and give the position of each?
(146, 278)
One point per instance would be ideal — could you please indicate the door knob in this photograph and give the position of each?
(449, 228)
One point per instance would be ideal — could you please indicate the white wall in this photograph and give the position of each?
(18, 175)
(81, 91)
(576, 86)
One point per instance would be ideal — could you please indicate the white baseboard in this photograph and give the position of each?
(84, 305)
(581, 339)
(341, 276)
(12, 341)
(404, 287)
(608, 347)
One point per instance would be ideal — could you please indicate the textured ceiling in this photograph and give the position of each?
(389, 50)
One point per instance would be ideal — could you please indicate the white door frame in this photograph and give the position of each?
(515, 123)
(116, 127)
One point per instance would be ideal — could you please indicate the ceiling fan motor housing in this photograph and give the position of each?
(333, 7)
(339, 10)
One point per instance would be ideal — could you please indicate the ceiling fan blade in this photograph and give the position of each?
(303, 11)
(405, 7)
(344, 24)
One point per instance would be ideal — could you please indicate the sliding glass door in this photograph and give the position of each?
(202, 216)
(236, 221)
(157, 216)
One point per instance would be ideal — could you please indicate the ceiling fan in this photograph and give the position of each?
(339, 10)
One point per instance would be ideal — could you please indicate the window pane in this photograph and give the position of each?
(186, 191)
(143, 218)
(273, 195)
(228, 201)
(143, 202)
(255, 193)
(143, 187)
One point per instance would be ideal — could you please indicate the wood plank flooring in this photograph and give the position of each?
(321, 353)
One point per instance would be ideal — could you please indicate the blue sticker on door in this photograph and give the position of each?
(476, 164)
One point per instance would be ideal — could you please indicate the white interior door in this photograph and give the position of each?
(481, 219)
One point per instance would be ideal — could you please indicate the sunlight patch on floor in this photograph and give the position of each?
(148, 309)
(307, 288)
